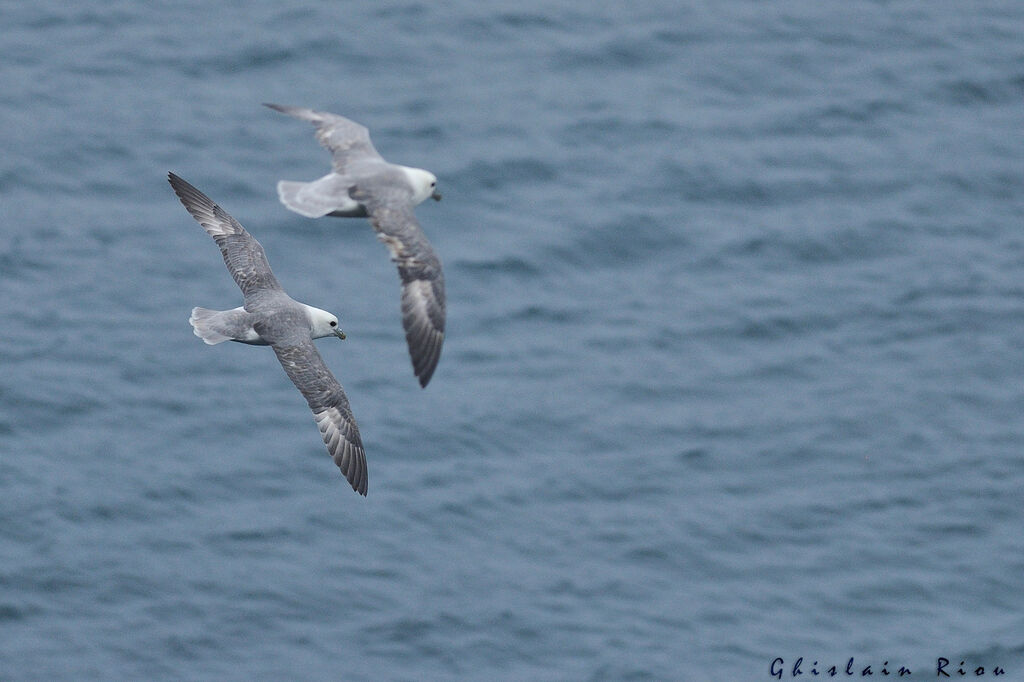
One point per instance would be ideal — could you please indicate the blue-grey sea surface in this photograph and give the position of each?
(734, 365)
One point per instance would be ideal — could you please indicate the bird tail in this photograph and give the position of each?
(291, 196)
(215, 326)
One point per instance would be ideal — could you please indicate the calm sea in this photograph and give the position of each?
(734, 368)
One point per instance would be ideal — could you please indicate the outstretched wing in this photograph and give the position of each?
(306, 369)
(423, 303)
(243, 255)
(345, 139)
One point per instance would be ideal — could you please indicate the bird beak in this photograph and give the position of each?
(340, 334)
(436, 196)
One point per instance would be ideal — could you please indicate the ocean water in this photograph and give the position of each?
(734, 369)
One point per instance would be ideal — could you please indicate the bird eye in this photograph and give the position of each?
(433, 184)
(333, 323)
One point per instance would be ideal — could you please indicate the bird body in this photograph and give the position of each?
(238, 324)
(332, 195)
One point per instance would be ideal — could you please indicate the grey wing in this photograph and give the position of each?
(423, 302)
(326, 398)
(243, 255)
(345, 139)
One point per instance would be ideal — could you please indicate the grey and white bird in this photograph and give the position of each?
(270, 317)
(362, 184)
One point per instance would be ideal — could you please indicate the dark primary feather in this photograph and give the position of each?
(345, 139)
(419, 268)
(330, 407)
(243, 255)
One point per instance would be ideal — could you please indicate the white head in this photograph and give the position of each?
(424, 184)
(323, 323)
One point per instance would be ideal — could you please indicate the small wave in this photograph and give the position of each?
(498, 174)
(838, 117)
(621, 241)
(11, 612)
(530, 20)
(509, 265)
(828, 246)
(617, 53)
(968, 91)
(614, 133)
